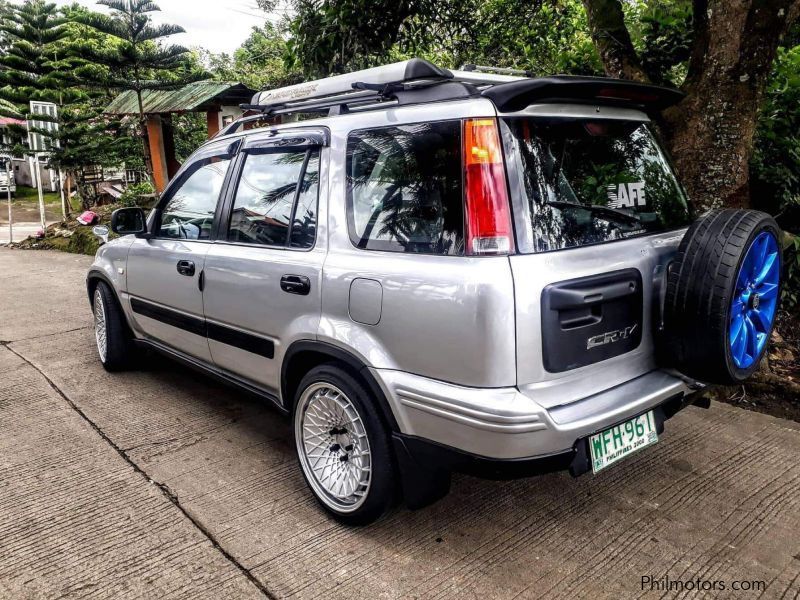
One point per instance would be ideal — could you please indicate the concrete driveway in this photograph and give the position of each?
(163, 484)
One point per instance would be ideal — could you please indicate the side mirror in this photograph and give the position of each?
(126, 221)
(101, 231)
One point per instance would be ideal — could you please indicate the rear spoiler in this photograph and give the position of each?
(516, 95)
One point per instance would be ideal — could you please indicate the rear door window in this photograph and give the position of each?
(404, 189)
(578, 182)
(276, 191)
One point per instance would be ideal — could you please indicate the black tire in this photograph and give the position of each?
(382, 490)
(700, 288)
(120, 352)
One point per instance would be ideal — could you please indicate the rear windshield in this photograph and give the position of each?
(578, 182)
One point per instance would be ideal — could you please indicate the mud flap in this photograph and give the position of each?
(422, 485)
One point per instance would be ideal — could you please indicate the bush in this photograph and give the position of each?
(790, 297)
(775, 167)
(138, 194)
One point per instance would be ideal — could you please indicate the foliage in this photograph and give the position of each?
(29, 65)
(258, 63)
(663, 37)
(189, 130)
(542, 36)
(138, 60)
(775, 168)
(41, 61)
(790, 297)
(136, 195)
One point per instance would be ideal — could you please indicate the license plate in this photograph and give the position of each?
(611, 445)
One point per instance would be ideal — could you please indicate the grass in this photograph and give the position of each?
(28, 194)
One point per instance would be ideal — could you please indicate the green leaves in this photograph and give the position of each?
(138, 60)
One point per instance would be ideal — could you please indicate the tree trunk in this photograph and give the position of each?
(710, 133)
(612, 40)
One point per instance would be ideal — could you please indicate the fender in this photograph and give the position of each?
(344, 356)
(95, 273)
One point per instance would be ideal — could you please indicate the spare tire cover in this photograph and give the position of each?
(722, 295)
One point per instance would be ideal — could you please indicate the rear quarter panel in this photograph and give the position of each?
(445, 317)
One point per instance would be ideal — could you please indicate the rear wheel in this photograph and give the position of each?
(722, 295)
(343, 447)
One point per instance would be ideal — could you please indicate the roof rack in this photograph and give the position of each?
(418, 81)
(369, 84)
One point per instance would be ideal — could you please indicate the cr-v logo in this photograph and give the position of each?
(626, 194)
(610, 337)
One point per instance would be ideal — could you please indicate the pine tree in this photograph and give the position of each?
(42, 61)
(30, 67)
(140, 61)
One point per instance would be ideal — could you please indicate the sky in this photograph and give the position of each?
(217, 25)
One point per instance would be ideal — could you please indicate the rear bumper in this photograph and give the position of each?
(427, 456)
(503, 424)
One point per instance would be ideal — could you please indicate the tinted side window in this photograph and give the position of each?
(265, 200)
(189, 214)
(404, 188)
(304, 225)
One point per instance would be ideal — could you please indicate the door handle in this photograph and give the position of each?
(186, 267)
(296, 284)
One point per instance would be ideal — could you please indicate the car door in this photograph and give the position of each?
(262, 275)
(164, 277)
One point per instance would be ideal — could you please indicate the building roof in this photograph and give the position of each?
(193, 97)
(9, 121)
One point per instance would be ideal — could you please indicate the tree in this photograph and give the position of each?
(33, 70)
(258, 63)
(41, 62)
(711, 132)
(335, 36)
(139, 61)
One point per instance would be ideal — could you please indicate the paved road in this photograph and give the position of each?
(162, 484)
(20, 230)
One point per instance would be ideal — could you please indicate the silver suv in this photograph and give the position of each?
(442, 271)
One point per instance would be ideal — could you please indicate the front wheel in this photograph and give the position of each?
(114, 345)
(343, 447)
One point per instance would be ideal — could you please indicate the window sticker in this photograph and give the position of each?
(626, 195)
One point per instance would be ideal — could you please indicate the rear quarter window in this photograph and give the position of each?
(404, 189)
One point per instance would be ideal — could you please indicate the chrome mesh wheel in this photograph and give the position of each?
(100, 333)
(333, 447)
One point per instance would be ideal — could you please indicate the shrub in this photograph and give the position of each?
(137, 194)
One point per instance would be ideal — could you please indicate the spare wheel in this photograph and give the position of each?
(722, 295)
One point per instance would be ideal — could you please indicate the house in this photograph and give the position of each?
(23, 167)
(218, 100)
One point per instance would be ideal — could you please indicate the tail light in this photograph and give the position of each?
(488, 216)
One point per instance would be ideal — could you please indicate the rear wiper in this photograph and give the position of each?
(596, 208)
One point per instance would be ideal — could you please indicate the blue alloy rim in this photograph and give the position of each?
(755, 300)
